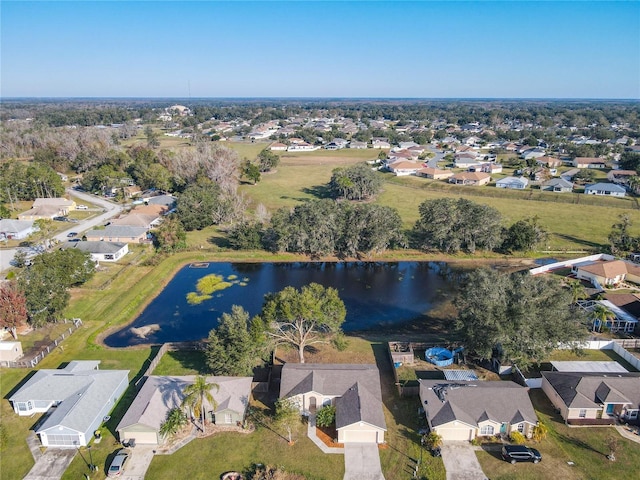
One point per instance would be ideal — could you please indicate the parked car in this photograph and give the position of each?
(72, 234)
(82, 207)
(61, 219)
(520, 453)
(117, 464)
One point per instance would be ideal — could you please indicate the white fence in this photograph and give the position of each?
(570, 263)
(632, 359)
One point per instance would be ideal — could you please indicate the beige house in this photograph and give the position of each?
(589, 162)
(470, 178)
(464, 410)
(10, 351)
(610, 272)
(63, 204)
(118, 233)
(404, 167)
(587, 398)
(434, 173)
(353, 389)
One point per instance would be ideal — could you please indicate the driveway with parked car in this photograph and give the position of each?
(460, 461)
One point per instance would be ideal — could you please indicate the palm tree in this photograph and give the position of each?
(601, 314)
(577, 290)
(176, 419)
(540, 431)
(195, 395)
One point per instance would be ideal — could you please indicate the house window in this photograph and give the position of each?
(22, 407)
(583, 413)
(521, 427)
(487, 430)
(228, 418)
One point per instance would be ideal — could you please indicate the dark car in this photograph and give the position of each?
(117, 465)
(520, 453)
(72, 234)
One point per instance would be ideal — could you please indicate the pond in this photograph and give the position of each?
(375, 295)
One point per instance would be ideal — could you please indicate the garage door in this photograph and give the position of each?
(54, 440)
(149, 438)
(455, 433)
(361, 436)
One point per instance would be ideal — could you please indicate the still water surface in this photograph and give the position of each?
(375, 294)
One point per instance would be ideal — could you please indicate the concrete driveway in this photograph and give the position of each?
(138, 463)
(362, 462)
(461, 462)
(51, 464)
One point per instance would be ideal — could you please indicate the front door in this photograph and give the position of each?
(610, 407)
(503, 428)
(312, 404)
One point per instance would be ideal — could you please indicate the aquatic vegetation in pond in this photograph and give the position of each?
(232, 277)
(206, 286)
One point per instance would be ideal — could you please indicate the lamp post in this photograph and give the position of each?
(92, 467)
(82, 456)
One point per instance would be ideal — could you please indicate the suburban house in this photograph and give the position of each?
(549, 162)
(621, 176)
(466, 160)
(515, 183)
(118, 233)
(557, 185)
(337, 144)
(278, 147)
(353, 389)
(593, 398)
(168, 201)
(610, 189)
(77, 398)
(610, 272)
(16, 229)
(491, 168)
(404, 167)
(63, 204)
(434, 173)
(10, 351)
(533, 153)
(101, 251)
(302, 147)
(135, 219)
(357, 145)
(470, 178)
(380, 144)
(464, 410)
(159, 395)
(42, 212)
(589, 162)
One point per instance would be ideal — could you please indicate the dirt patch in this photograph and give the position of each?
(327, 435)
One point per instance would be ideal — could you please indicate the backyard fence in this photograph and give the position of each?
(31, 359)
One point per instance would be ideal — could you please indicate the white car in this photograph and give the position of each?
(82, 207)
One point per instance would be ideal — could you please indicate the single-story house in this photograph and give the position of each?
(533, 153)
(101, 251)
(491, 168)
(168, 201)
(466, 160)
(357, 145)
(589, 162)
(470, 178)
(434, 173)
(404, 167)
(135, 219)
(549, 162)
(464, 410)
(278, 147)
(353, 389)
(609, 272)
(610, 189)
(63, 204)
(380, 144)
(77, 398)
(557, 185)
(16, 229)
(588, 398)
(118, 233)
(42, 212)
(160, 394)
(10, 351)
(302, 147)
(516, 183)
(621, 176)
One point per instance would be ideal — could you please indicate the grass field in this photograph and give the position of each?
(576, 222)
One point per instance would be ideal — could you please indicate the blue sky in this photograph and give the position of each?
(321, 49)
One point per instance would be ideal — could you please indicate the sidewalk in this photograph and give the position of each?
(311, 433)
(626, 433)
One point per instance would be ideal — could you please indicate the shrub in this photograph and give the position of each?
(326, 416)
(340, 342)
(517, 438)
(432, 441)
(540, 431)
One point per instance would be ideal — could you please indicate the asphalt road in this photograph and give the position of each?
(438, 157)
(108, 209)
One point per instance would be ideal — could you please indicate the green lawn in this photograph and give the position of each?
(584, 446)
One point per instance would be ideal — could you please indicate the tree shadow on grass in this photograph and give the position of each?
(220, 242)
(318, 191)
(580, 241)
(191, 360)
(576, 442)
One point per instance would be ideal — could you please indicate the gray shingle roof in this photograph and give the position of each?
(117, 231)
(81, 390)
(96, 247)
(357, 384)
(476, 401)
(590, 390)
(160, 394)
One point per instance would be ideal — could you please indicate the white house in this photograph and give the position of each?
(101, 251)
(77, 399)
(515, 183)
(16, 229)
(609, 189)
